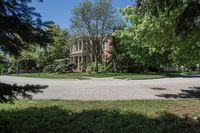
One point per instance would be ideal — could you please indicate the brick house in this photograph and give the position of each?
(81, 52)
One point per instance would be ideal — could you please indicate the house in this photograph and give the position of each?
(81, 52)
(61, 61)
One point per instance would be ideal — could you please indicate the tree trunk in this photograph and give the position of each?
(97, 63)
(17, 66)
(26, 66)
(114, 54)
(114, 65)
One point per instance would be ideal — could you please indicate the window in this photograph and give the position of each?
(76, 47)
(80, 45)
(104, 46)
(103, 58)
(85, 45)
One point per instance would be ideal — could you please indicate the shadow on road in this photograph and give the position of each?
(193, 93)
(55, 119)
(9, 93)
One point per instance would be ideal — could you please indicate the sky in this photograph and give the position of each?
(60, 11)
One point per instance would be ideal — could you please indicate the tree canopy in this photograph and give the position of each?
(187, 20)
(58, 48)
(20, 25)
(152, 33)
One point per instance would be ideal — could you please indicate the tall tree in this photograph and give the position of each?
(59, 47)
(153, 40)
(186, 21)
(20, 25)
(94, 20)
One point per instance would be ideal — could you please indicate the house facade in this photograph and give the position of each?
(81, 52)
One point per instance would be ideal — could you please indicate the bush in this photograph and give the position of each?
(102, 68)
(71, 66)
(91, 67)
(60, 68)
(50, 68)
(63, 68)
(12, 69)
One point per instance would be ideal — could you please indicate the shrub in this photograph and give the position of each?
(63, 68)
(12, 69)
(50, 68)
(71, 66)
(102, 68)
(60, 68)
(91, 67)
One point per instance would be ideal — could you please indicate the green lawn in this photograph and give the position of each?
(81, 76)
(54, 75)
(143, 116)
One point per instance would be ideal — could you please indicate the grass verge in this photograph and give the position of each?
(82, 76)
(46, 116)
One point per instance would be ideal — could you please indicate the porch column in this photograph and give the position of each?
(82, 64)
(78, 65)
(78, 46)
(82, 46)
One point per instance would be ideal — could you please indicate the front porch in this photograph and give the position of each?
(81, 61)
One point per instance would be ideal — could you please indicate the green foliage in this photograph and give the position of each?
(151, 39)
(3, 64)
(20, 25)
(12, 69)
(58, 48)
(140, 116)
(94, 20)
(91, 67)
(50, 68)
(10, 93)
(186, 21)
(61, 68)
(71, 66)
(123, 55)
(130, 76)
(102, 68)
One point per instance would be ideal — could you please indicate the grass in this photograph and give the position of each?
(54, 75)
(47, 116)
(138, 76)
(82, 76)
(79, 76)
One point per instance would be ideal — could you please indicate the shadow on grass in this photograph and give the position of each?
(55, 119)
(193, 93)
(9, 93)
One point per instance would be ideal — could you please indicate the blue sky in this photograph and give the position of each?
(60, 11)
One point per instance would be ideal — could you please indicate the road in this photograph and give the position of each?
(111, 89)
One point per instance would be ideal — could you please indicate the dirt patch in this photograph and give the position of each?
(186, 111)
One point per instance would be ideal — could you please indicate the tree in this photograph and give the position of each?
(94, 20)
(27, 55)
(153, 41)
(59, 47)
(186, 21)
(20, 25)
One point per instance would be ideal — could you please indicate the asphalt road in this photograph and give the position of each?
(112, 89)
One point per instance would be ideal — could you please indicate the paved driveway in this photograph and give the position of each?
(112, 89)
